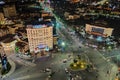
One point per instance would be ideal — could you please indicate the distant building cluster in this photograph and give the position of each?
(1, 16)
(25, 28)
(9, 11)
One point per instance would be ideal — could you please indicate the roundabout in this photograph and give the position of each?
(78, 64)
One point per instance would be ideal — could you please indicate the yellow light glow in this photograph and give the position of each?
(82, 66)
(78, 62)
(75, 65)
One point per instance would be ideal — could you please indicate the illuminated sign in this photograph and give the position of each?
(98, 30)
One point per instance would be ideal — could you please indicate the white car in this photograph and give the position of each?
(47, 70)
(64, 60)
(66, 70)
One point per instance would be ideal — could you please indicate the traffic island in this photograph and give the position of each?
(5, 71)
(10, 69)
(79, 65)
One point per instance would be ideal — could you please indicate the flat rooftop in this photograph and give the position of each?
(36, 26)
(7, 39)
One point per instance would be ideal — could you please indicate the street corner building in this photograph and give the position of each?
(40, 37)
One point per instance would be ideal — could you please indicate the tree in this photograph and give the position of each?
(16, 49)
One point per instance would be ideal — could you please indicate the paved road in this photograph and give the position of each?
(21, 61)
(28, 72)
(98, 60)
(34, 72)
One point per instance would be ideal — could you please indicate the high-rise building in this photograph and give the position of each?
(39, 35)
(9, 10)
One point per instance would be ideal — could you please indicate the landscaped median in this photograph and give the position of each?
(10, 69)
(78, 64)
(5, 71)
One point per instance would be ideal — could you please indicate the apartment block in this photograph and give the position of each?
(39, 35)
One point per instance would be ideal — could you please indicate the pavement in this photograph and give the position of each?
(21, 60)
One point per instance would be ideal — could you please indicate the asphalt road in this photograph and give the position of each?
(26, 70)
(99, 61)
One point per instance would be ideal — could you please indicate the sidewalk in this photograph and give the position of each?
(13, 66)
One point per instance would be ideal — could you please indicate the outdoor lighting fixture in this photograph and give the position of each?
(63, 44)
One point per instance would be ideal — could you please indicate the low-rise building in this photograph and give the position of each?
(4, 31)
(44, 14)
(8, 43)
(98, 30)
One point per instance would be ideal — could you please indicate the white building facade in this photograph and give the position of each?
(39, 35)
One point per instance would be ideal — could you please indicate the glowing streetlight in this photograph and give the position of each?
(63, 44)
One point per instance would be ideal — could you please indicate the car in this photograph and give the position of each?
(64, 60)
(66, 70)
(47, 70)
(51, 74)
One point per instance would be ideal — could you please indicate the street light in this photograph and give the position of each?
(63, 44)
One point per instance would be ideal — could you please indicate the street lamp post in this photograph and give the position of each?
(63, 44)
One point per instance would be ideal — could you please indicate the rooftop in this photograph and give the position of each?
(101, 23)
(36, 26)
(20, 44)
(8, 38)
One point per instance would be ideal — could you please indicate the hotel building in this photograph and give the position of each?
(39, 35)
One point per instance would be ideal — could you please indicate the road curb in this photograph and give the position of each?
(13, 66)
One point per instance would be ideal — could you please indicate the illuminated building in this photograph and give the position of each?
(39, 35)
(9, 10)
(4, 31)
(1, 16)
(45, 14)
(55, 39)
(75, 1)
(7, 30)
(8, 43)
(99, 31)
